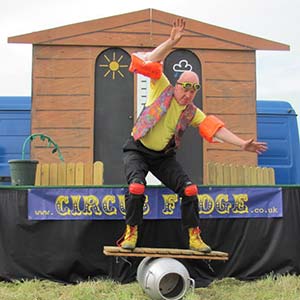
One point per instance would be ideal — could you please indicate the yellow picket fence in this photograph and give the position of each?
(69, 174)
(227, 174)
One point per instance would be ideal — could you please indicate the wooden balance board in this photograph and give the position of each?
(165, 252)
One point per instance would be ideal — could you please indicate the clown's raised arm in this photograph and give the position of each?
(211, 128)
(150, 63)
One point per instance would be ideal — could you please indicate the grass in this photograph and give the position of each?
(270, 288)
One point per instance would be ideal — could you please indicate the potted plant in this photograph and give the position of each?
(23, 170)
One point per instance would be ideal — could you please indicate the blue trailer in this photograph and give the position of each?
(277, 125)
(15, 122)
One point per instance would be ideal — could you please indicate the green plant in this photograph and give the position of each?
(43, 137)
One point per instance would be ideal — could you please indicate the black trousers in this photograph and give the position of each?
(138, 161)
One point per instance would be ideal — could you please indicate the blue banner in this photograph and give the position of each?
(161, 203)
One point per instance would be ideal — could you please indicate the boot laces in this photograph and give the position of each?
(196, 231)
(132, 230)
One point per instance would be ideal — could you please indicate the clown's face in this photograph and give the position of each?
(185, 91)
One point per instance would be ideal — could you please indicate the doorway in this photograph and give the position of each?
(190, 153)
(114, 106)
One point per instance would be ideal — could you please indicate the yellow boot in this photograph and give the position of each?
(130, 238)
(196, 243)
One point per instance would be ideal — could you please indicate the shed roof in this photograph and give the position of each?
(146, 28)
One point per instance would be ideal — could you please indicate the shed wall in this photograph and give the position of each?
(229, 92)
(63, 100)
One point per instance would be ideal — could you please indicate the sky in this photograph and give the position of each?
(278, 72)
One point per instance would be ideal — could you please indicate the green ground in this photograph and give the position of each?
(270, 288)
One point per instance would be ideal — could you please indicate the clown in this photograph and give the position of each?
(156, 135)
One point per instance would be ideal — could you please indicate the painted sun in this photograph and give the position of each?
(113, 66)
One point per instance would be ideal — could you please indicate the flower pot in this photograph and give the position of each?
(22, 171)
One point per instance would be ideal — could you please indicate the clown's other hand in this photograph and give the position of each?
(254, 146)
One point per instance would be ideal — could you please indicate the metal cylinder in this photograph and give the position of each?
(163, 278)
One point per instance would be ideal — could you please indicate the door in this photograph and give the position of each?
(190, 153)
(113, 111)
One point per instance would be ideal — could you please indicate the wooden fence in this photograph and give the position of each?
(66, 174)
(222, 174)
(76, 174)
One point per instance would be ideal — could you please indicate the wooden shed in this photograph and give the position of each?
(84, 97)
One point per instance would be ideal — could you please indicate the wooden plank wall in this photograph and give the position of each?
(229, 92)
(63, 100)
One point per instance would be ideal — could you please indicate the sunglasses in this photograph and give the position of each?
(189, 85)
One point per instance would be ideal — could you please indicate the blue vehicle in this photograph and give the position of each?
(277, 125)
(15, 122)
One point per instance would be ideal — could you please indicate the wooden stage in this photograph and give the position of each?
(165, 252)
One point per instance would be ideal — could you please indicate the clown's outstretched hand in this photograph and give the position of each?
(254, 146)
